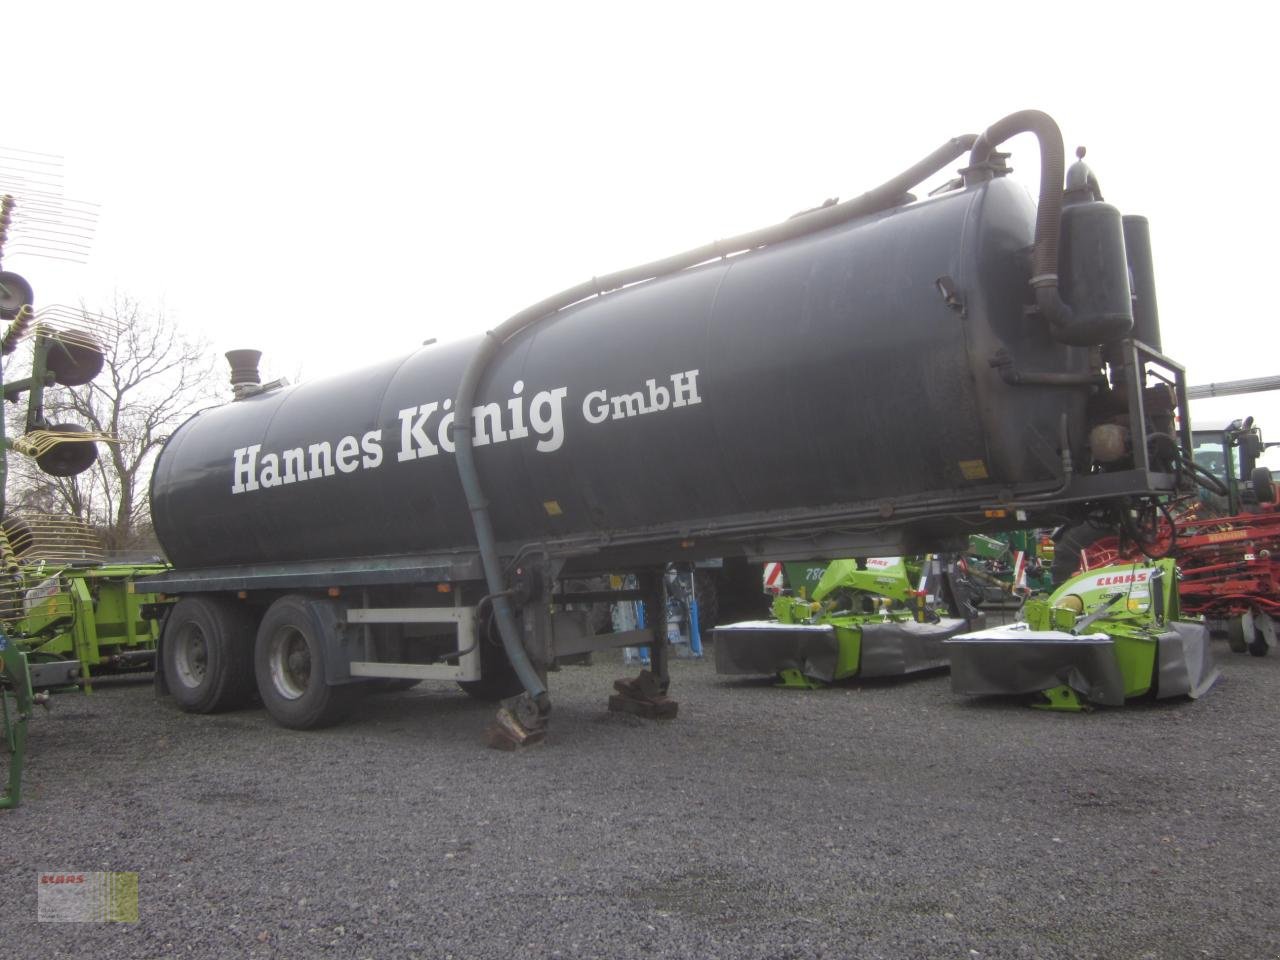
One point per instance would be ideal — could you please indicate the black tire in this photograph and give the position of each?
(1258, 642)
(1151, 528)
(1068, 548)
(491, 689)
(288, 660)
(707, 594)
(1263, 486)
(69, 458)
(498, 679)
(1235, 635)
(207, 649)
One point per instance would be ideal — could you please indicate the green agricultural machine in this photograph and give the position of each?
(1104, 637)
(60, 626)
(1004, 568)
(885, 618)
(64, 616)
(77, 622)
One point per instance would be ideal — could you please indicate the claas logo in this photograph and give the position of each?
(1122, 579)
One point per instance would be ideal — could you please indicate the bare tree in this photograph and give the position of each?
(153, 378)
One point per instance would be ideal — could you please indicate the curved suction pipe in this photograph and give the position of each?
(883, 197)
(1044, 273)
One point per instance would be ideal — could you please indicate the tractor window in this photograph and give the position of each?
(1207, 452)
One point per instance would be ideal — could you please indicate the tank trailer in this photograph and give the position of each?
(421, 518)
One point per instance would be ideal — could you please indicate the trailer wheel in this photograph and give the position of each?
(498, 679)
(288, 660)
(1235, 635)
(208, 654)
(492, 689)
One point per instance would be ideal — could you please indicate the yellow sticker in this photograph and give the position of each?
(552, 507)
(973, 469)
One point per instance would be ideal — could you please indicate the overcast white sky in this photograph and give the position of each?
(335, 182)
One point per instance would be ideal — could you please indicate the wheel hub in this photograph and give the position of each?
(191, 657)
(290, 663)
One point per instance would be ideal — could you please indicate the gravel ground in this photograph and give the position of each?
(888, 819)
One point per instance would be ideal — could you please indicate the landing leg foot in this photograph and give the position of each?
(643, 696)
(518, 724)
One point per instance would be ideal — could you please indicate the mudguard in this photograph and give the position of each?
(1186, 661)
(894, 649)
(1016, 660)
(764, 647)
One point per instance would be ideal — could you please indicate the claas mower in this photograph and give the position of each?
(1104, 637)
(887, 617)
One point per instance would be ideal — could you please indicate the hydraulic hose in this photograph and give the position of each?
(1134, 530)
(880, 198)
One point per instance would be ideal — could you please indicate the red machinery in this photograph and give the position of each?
(1230, 569)
(1227, 542)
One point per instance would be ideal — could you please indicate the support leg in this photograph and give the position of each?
(520, 721)
(646, 695)
(518, 724)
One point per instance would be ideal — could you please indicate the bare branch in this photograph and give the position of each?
(154, 377)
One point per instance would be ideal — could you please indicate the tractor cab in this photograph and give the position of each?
(1231, 456)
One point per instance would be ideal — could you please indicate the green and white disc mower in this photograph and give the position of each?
(1104, 637)
(877, 621)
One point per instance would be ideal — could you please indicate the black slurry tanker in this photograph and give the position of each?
(985, 361)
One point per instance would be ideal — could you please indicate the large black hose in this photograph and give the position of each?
(1044, 272)
(883, 197)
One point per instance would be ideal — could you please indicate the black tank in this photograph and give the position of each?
(845, 367)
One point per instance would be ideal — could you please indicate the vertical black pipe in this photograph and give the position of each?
(1142, 278)
(655, 618)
